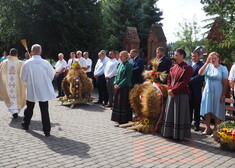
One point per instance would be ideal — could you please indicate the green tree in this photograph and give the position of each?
(151, 15)
(188, 35)
(226, 11)
(58, 25)
(118, 14)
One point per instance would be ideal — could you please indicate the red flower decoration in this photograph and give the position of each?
(153, 73)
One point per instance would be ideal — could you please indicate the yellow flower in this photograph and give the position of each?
(228, 138)
(225, 137)
(221, 133)
(226, 130)
(146, 121)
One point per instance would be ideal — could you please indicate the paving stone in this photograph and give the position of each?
(85, 137)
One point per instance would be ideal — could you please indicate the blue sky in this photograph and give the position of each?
(176, 11)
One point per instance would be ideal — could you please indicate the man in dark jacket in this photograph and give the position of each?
(138, 67)
(165, 62)
(195, 87)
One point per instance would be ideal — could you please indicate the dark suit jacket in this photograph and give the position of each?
(138, 68)
(165, 65)
(196, 83)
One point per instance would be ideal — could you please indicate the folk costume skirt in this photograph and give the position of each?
(122, 112)
(176, 123)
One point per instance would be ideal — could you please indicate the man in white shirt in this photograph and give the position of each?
(71, 60)
(60, 68)
(100, 78)
(118, 57)
(88, 64)
(38, 74)
(110, 72)
(81, 60)
(231, 79)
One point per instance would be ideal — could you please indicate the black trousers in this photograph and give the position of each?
(89, 74)
(28, 113)
(110, 88)
(59, 80)
(195, 111)
(102, 89)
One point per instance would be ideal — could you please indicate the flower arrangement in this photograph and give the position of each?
(225, 135)
(66, 100)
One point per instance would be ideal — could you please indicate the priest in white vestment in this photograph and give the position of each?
(38, 75)
(12, 88)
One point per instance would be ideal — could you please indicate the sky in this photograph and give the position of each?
(176, 11)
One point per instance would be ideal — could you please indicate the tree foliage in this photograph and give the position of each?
(70, 25)
(118, 14)
(58, 25)
(188, 36)
(224, 9)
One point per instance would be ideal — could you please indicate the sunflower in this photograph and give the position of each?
(146, 121)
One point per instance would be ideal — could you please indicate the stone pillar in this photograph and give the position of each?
(131, 39)
(156, 39)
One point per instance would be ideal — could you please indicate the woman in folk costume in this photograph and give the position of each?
(176, 122)
(12, 88)
(122, 112)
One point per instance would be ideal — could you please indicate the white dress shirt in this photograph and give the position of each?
(132, 60)
(193, 63)
(82, 62)
(38, 74)
(88, 63)
(232, 74)
(70, 61)
(60, 64)
(100, 65)
(110, 69)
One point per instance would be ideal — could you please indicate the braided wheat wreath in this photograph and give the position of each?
(76, 85)
(148, 101)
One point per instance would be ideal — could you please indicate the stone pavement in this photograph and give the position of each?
(85, 137)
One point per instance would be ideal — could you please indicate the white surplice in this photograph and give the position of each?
(38, 75)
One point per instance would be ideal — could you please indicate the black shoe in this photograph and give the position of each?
(105, 104)
(47, 134)
(109, 105)
(24, 126)
(196, 128)
(98, 102)
(15, 116)
(58, 96)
